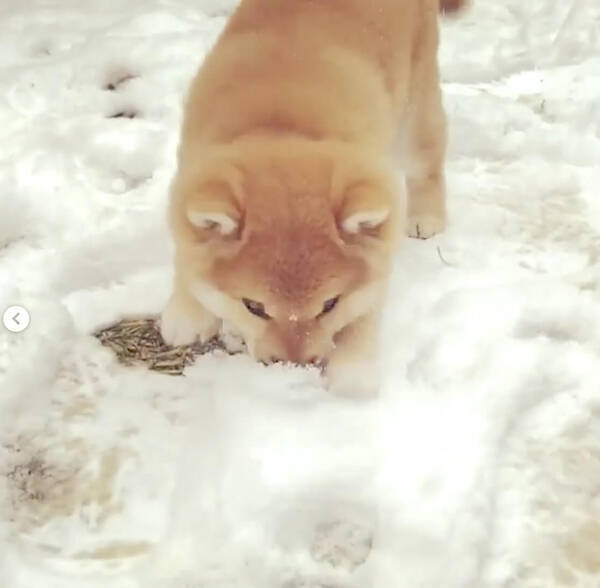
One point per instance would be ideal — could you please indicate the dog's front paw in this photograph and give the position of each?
(182, 322)
(424, 226)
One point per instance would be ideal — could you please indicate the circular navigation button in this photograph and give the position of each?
(16, 319)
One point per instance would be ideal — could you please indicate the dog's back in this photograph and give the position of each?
(335, 68)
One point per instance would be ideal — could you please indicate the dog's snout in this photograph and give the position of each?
(313, 360)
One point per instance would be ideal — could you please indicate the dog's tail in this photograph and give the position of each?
(452, 6)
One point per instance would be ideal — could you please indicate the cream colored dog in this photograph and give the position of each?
(286, 208)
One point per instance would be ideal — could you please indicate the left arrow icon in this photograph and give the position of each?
(16, 319)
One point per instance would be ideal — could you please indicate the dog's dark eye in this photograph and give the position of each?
(256, 308)
(329, 305)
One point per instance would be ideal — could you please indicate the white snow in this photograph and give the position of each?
(478, 465)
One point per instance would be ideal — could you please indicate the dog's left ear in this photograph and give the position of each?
(364, 221)
(363, 210)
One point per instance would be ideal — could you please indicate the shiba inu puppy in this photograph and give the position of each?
(286, 207)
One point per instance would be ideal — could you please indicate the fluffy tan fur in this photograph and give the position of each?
(286, 209)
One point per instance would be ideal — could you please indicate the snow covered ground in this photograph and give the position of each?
(479, 465)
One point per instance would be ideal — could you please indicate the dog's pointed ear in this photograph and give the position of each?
(363, 210)
(214, 211)
(366, 220)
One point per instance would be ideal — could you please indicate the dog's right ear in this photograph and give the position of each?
(209, 200)
(214, 211)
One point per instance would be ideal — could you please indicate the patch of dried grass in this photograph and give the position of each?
(138, 342)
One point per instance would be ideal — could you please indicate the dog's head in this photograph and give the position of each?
(288, 241)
